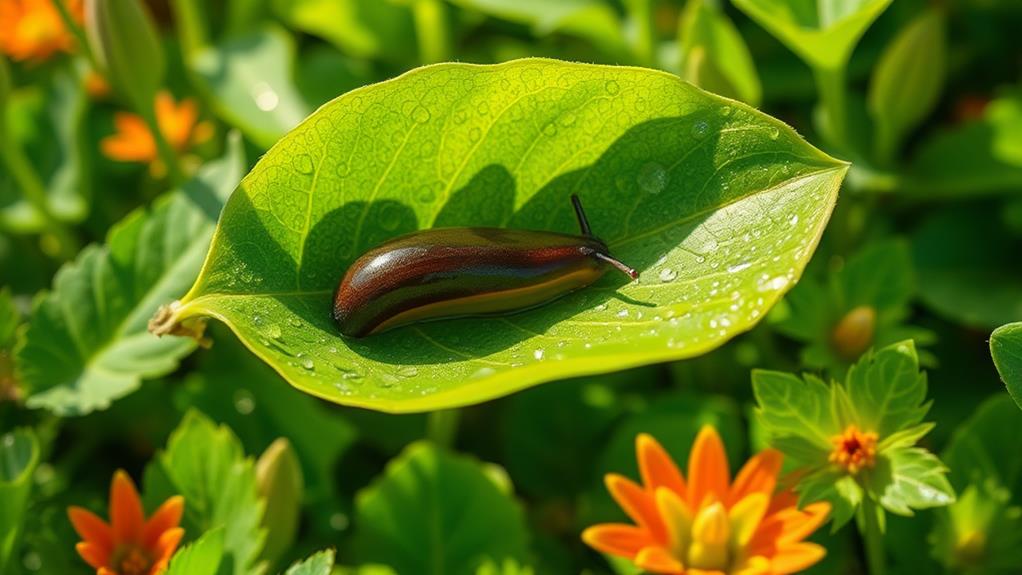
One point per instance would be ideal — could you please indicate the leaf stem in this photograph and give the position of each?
(873, 538)
(830, 83)
(431, 30)
(442, 426)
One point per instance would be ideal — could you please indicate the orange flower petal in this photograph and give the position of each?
(166, 517)
(90, 527)
(708, 471)
(105, 571)
(616, 538)
(637, 503)
(658, 560)
(93, 554)
(656, 466)
(126, 514)
(796, 557)
(168, 542)
(758, 475)
(808, 520)
(704, 572)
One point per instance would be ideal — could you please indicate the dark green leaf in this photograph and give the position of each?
(19, 456)
(1006, 349)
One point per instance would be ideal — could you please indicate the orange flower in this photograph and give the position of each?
(133, 142)
(129, 544)
(709, 525)
(34, 30)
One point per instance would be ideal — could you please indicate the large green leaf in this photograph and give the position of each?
(1006, 349)
(87, 342)
(718, 205)
(206, 464)
(19, 455)
(714, 55)
(821, 32)
(436, 513)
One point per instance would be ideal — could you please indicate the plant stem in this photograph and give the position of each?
(34, 191)
(192, 29)
(166, 152)
(830, 83)
(873, 538)
(79, 34)
(442, 426)
(431, 30)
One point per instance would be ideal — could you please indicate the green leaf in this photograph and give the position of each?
(887, 390)
(507, 567)
(319, 564)
(981, 532)
(717, 204)
(907, 80)
(249, 81)
(909, 478)
(980, 449)
(9, 318)
(974, 159)
(789, 406)
(362, 28)
(821, 32)
(714, 55)
(127, 49)
(279, 476)
(967, 267)
(1006, 349)
(87, 341)
(842, 491)
(434, 512)
(207, 465)
(201, 557)
(19, 456)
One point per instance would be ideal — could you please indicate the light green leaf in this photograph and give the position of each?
(1006, 349)
(281, 485)
(821, 32)
(717, 204)
(434, 512)
(9, 318)
(907, 80)
(87, 342)
(507, 567)
(831, 485)
(249, 81)
(792, 406)
(361, 28)
(201, 557)
(127, 49)
(19, 456)
(888, 390)
(207, 465)
(909, 478)
(319, 564)
(714, 55)
(974, 159)
(980, 533)
(906, 437)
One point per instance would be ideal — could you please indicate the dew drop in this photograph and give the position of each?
(408, 371)
(601, 307)
(622, 313)
(725, 111)
(700, 129)
(667, 275)
(612, 87)
(735, 268)
(390, 217)
(483, 108)
(308, 364)
(244, 401)
(426, 195)
(773, 133)
(303, 163)
(793, 219)
(538, 354)
(550, 129)
(652, 178)
(420, 115)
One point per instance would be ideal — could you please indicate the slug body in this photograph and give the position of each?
(451, 272)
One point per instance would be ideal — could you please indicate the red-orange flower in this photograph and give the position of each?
(34, 30)
(130, 544)
(133, 142)
(709, 525)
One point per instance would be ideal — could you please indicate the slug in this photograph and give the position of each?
(453, 272)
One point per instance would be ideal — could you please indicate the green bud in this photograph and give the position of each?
(126, 46)
(279, 476)
(853, 334)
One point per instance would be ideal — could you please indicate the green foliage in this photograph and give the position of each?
(1006, 349)
(714, 55)
(884, 393)
(433, 512)
(697, 192)
(19, 456)
(123, 39)
(207, 465)
(202, 557)
(279, 476)
(87, 342)
(363, 28)
(319, 564)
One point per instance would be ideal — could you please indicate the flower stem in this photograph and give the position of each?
(830, 83)
(167, 154)
(431, 30)
(78, 32)
(873, 538)
(442, 426)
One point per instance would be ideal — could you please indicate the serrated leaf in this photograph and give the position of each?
(714, 55)
(87, 342)
(1006, 349)
(436, 512)
(201, 557)
(207, 465)
(909, 478)
(319, 564)
(682, 185)
(907, 80)
(888, 390)
(821, 32)
(19, 456)
(792, 406)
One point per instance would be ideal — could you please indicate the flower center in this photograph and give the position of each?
(854, 449)
(711, 531)
(132, 560)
